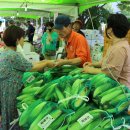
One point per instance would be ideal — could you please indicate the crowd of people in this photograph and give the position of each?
(115, 64)
(27, 27)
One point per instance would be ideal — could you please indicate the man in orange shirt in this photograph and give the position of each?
(77, 47)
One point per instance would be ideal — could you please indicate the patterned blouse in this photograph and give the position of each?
(12, 67)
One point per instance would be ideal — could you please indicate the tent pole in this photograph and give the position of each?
(91, 19)
(41, 21)
(37, 25)
(77, 11)
(55, 15)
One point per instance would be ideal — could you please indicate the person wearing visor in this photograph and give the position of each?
(77, 25)
(116, 62)
(49, 41)
(77, 48)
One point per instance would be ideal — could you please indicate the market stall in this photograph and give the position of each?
(66, 99)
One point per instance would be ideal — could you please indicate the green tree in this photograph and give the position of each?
(124, 6)
(98, 14)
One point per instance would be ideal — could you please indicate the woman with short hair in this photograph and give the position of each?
(116, 62)
(12, 67)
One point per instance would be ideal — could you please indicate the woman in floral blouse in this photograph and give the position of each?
(12, 67)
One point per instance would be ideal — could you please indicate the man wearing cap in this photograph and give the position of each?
(77, 26)
(77, 48)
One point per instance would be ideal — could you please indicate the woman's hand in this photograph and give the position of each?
(88, 69)
(91, 70)
(96, 64)
(87, 64)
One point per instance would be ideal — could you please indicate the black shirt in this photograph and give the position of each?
(30, 30)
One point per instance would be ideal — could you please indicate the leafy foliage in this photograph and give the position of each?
(124, 6)
(98, 14)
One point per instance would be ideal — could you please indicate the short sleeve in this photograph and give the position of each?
(113, 62)
(83, 50)
(18, 62)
